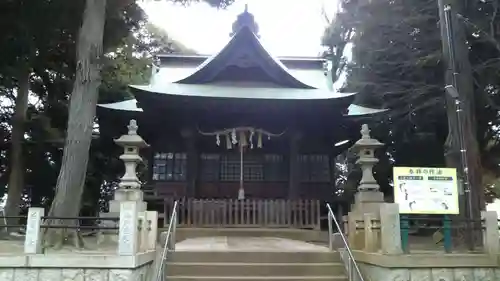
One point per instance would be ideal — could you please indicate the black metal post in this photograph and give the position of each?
(454, 91)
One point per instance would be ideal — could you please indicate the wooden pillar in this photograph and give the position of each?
(294, 171)
(192, 162)
(332, 161)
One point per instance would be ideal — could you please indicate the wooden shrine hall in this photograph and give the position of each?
(240, 137)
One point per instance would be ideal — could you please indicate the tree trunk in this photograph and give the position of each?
(82, 107)
(17, 170)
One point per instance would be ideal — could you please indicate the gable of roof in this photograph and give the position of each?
(244, 50)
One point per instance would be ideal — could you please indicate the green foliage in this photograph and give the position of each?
(120, 70)
(397, 63)
(41, 34)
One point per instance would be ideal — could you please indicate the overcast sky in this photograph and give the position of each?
(287, 27)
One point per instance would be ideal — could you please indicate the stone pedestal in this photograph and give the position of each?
(122, 195)
(367, 201)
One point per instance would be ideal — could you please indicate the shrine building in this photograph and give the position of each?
(241, 126)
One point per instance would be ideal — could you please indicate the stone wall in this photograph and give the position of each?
(69, 274)
(428, 267)
(377, 273)
(77, 267)
(378, 250)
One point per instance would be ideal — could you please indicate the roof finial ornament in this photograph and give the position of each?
(245, 19)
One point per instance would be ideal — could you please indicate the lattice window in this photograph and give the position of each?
(314, 168)
(275, 168)
(230, 168)
(253, 168)
(170, 166)
(209, 167)
(269, 167)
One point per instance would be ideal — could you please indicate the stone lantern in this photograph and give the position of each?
(368, 195)
(129, 186)
(365, 149)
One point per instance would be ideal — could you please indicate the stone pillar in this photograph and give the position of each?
(192, 161)
(152, 223)
(129, 186)
(128, 233)
(294, 169)
(371, 233)
(368, 197)
(490, 233)
(143, 231)
(390, 229)
(33, 238)
(352, 231)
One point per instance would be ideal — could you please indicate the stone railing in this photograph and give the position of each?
(382, 233)
(137, 231)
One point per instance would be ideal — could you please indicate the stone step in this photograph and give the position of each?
(253, 257)
(236, 232)
(254, 269)
(257, 278)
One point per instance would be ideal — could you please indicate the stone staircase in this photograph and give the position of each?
(254, 266)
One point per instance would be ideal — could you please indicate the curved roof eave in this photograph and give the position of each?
(218, 91)
(216, 63)
(131, 106)
(127, 105)
(358, 110)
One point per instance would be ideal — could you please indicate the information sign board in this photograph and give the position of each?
(426, 190)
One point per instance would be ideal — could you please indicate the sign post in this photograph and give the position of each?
(426, 191)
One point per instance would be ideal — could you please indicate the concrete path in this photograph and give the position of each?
(243, 244)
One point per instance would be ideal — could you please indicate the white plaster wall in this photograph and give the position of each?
(71, 274)
(375, 273)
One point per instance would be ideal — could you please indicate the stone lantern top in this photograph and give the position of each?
(131, 138)
(366, 141)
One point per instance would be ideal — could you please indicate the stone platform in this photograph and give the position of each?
(308, 235)
(245, 244)
(15, 247)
